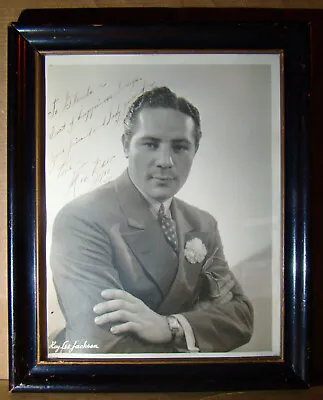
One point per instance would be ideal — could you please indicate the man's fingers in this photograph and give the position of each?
(114, 316)
(112, 305)
(111, 294)
(124, 328)
(226, 285)
(226, 282)
(226, 298)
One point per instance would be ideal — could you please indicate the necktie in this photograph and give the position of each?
(168, 227)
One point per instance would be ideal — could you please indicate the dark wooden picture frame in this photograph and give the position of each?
(65, 31)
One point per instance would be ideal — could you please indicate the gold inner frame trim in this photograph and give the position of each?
(40, 124)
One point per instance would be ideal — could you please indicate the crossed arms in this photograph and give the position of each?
(101, 309)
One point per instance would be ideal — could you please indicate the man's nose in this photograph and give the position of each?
(164, 158)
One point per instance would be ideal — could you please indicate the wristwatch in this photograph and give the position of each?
(174, 326)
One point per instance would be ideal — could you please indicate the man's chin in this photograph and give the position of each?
(162, 194)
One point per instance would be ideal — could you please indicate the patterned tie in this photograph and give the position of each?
(168, 227)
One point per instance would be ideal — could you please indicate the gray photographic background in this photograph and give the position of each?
(236, 171)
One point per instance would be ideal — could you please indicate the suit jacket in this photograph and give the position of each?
(108, 238)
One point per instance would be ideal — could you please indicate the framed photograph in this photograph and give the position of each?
(158, 214)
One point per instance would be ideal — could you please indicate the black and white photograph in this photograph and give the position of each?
(164, 205)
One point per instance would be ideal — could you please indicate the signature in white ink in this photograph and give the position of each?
(69, 347)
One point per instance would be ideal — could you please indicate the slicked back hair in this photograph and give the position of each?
(161, 97)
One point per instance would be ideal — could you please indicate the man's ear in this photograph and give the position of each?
(125, 143)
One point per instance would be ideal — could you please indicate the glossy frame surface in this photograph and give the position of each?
(41, 31)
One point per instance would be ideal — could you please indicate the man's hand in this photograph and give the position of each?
(126, 313)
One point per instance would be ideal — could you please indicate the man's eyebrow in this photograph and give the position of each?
(150, 138)
(179, 141)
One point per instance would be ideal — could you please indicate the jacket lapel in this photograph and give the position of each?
(143, 235)
(185, 284)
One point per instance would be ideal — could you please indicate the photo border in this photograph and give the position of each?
(26, 200)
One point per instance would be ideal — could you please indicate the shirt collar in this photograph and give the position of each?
(155, 206)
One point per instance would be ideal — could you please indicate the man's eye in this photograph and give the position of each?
(151, 145)
(179, 148)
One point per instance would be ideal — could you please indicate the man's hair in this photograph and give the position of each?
(164, 98)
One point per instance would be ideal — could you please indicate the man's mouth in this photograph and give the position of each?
(163, 178)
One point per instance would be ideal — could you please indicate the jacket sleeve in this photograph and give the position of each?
(221, 316)
(81, 260)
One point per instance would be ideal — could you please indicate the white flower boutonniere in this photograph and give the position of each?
(195, 251)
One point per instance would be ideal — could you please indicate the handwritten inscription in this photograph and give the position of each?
(84, 129)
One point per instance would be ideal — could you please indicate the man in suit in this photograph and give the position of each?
(138, 270)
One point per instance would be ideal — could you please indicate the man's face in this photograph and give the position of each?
(160, 151)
